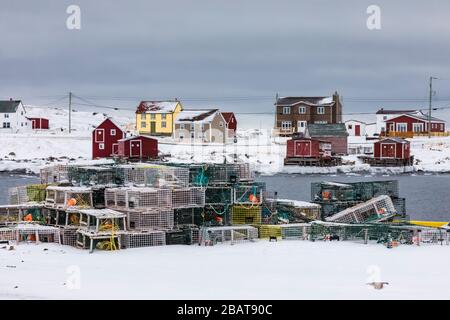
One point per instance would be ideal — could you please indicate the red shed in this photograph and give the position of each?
(230, 121)
(39, 123)
(139, 147)
(391, 148)
(308, 148)
(105, 139)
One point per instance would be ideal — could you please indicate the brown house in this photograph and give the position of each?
(293, 114)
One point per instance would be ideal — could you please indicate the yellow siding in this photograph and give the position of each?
(158, 121)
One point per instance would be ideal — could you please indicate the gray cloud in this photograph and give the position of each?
(204, 48)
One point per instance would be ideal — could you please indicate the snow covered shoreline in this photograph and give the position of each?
(311, 270)
(29, 152)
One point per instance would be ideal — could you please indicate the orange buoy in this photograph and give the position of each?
(28, 217)
(253, 198)
(72, 202)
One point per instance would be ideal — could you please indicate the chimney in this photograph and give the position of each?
(10, 99)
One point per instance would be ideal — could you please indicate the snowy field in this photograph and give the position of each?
(31, 151)
(261, 270)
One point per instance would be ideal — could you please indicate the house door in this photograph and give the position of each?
(115, 149)
(135, 148)
(152, 127)
(388, 150)
(301, 126)
(100, 135)
(302, 149)
(357, 130)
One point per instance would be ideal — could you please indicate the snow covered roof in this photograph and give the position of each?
(103, 213)
(136, 137)
(417, 115)
(9, 106)
(197, 115)
(395, 139)
(397, 111)
(313, 101)
(158, 106)
(69, 189)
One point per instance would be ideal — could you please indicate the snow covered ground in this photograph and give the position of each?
(31, 151)
(261, 270)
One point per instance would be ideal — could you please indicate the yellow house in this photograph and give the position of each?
(157, 117)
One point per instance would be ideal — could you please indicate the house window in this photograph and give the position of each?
(301, 110)
(350, 127)
(21, 124)
(384, 117)
(6, 115)
(21, 113)
(320, 110)
(418, 127)
(143, 124)
(286, 125)
(220, 124)
(286, 110)
(164, 116)
(182, 126)
(192, 127)
(402, 127)
(163, 124)
(152, 116)
(101, 146)
(442, 126)
(113, 132)
(321, 122)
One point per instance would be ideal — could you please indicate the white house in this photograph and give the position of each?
(384, 114)
(355, 128)
(13, 116)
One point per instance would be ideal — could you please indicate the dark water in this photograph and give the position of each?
(427, 196)
(9, 180)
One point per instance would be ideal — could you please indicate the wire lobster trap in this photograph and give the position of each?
(295, 231)
(228, 234)
(153, 175)
(219, 174)
(27, 232)
(8, 234)
(189, 197)
(68, 197)
(293, 211)
(218, 195)
(149, 238)
(69, 236)
(55, 174)
(102, 221)
(93, 175)
(151, 219)
(29, 193)
(249, 194)
(242, 214)
(11, 214)
(380, 208)
(216, 215)
(188, 216)
(134, 198)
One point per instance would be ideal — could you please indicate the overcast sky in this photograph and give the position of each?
(224, 50)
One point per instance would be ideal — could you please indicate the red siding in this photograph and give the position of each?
(102, 136)
(338, 144)
(435, 126)
(138, 148)
(39, 123)
(304, 148)
(230, 119)
(391, 149)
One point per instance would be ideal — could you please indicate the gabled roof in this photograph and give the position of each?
(313, 101)
(9, 106)
(354, 120)
(157, 106)
(227, 116)
(136, 137)
(394, 139)
(197, 115)
(417, 115)
(112, 121)
(386, 111)
(336, 129)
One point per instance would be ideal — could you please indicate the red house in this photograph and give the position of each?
(308, 148)
(392, 148)
(39, 123)
(139, 147)
(230, 122)
(415, 123)
(105, 139)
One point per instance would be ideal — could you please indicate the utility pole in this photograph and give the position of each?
(70, 112)
(430, 106)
